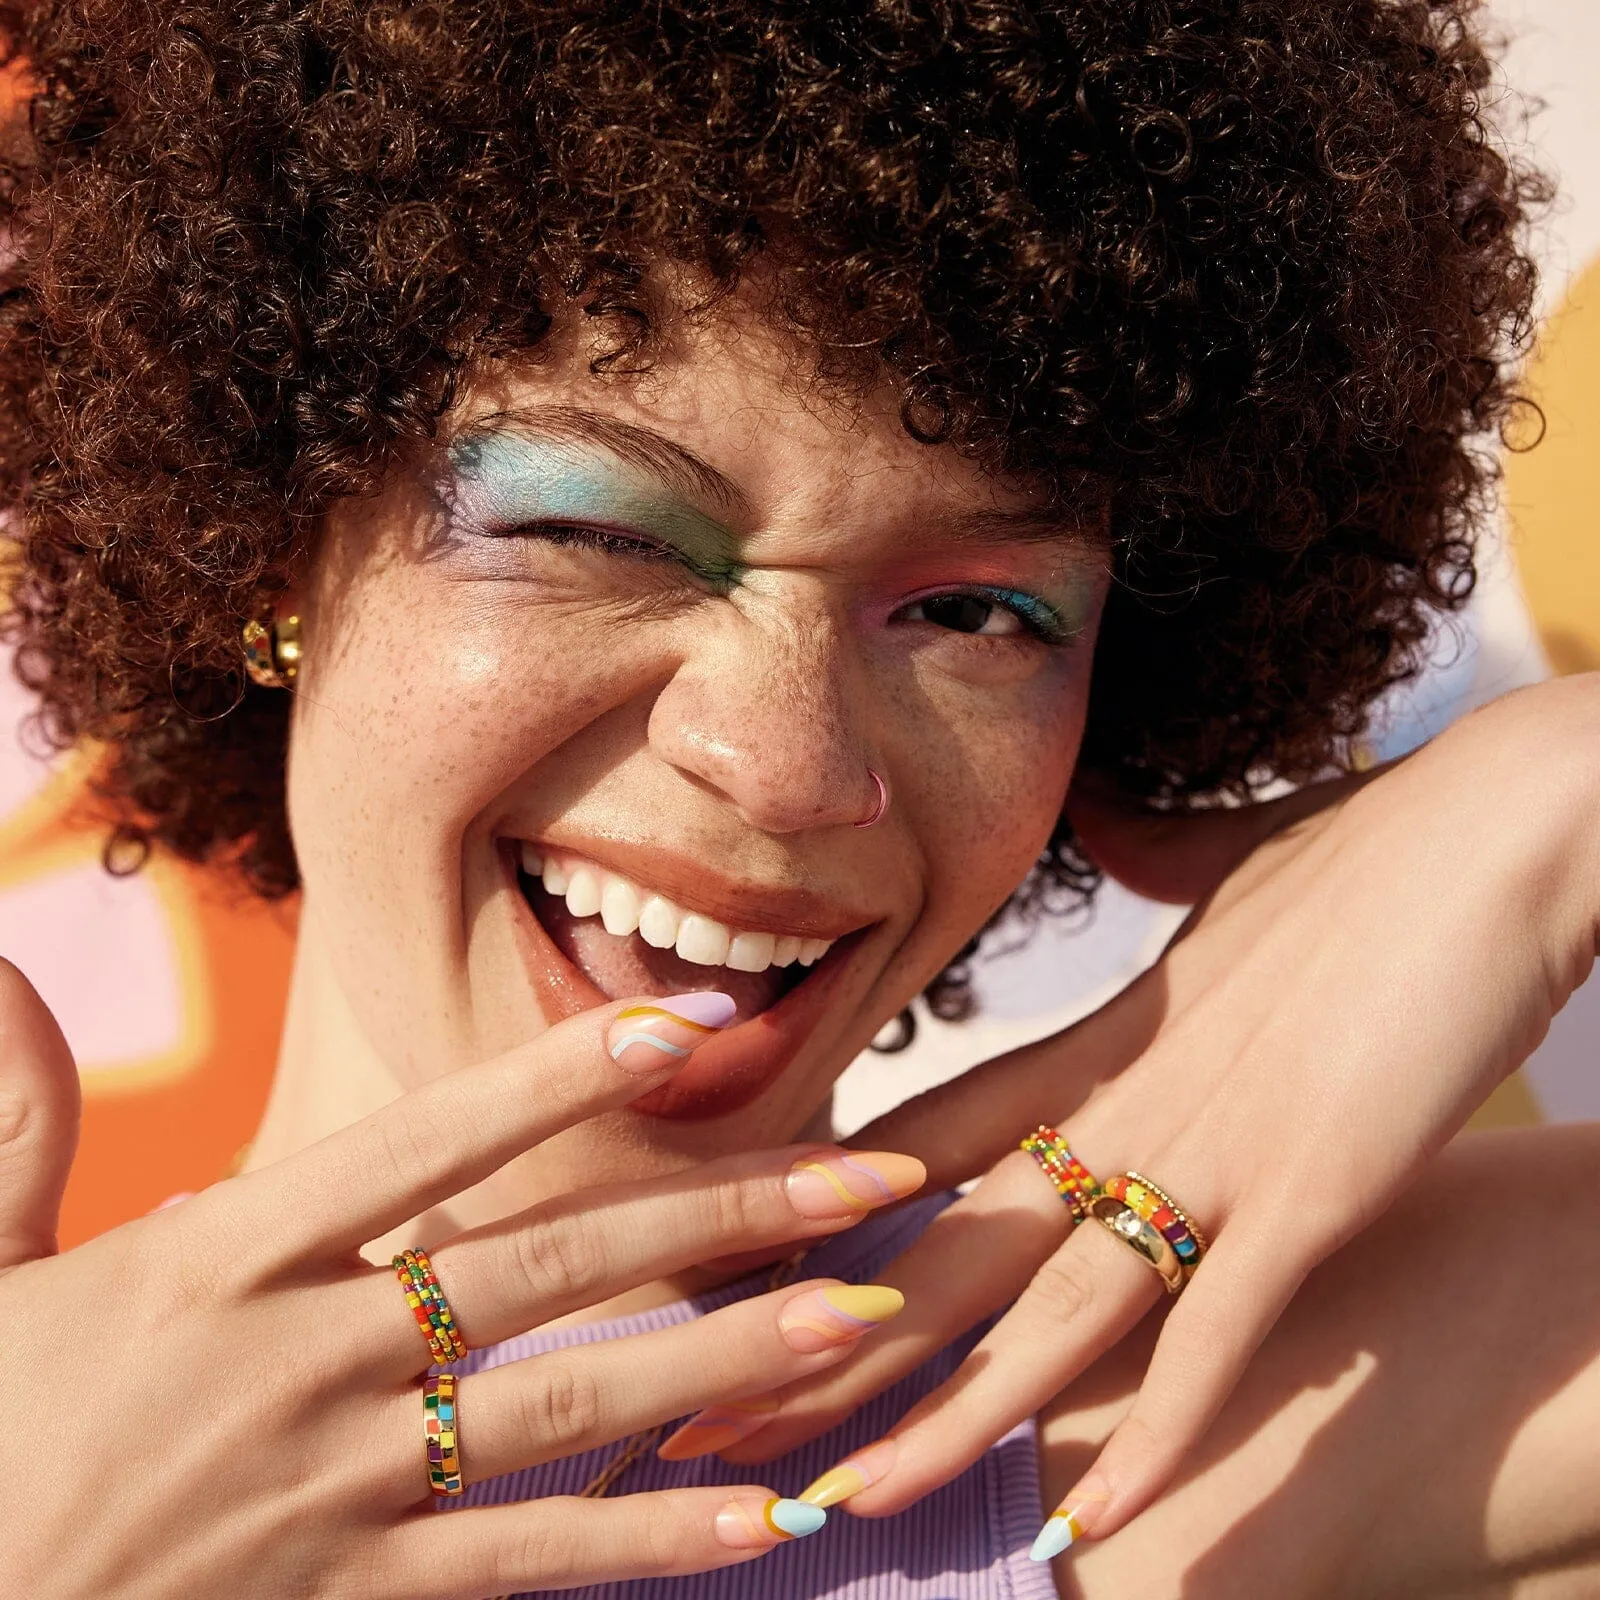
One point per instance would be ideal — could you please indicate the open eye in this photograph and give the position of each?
(968, 613)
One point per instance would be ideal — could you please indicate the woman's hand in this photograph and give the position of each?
(1326, 1021)
(223, 1398)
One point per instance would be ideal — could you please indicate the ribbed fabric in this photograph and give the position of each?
(966, 1541)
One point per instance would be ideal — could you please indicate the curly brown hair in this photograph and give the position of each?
(1254, 264)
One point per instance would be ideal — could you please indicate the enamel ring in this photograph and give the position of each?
(439, 1428)
(1123, 1222)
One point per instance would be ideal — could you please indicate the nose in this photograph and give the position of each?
(764, 719)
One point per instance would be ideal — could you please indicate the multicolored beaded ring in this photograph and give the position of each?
(429, 1306)
(439, 1420)
(1073, 1181)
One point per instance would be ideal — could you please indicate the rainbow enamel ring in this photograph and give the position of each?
(439, 1423)
(1073, 1181)
(1155, 1206)
(429, 1306)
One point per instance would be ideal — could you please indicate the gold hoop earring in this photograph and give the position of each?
(272, 651)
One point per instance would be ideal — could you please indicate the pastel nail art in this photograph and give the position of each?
(852, 1182)
(1066, 1525)
(644, 1037)
(717, 1427)
(836, 1315)
(852, 1475)
(751, 1524)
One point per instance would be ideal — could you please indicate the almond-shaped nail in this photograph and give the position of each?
(852, 1475)
(852, 1183)
(833, 1316)
(750, 1522)
(717, 1427)
(643, 1038)
(1069, 1522)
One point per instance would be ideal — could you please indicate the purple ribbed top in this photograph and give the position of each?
(967, 1541)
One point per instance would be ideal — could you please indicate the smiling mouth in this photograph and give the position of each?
(628, 940)
(597, 935)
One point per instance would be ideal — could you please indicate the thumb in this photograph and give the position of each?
(39, 1108)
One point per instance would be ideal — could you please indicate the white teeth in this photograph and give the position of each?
(702, 940)
(619, 907)
(624, 908)
(751, 952)
(658, 922)
(583, 892)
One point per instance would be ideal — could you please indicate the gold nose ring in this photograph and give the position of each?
(883, 800)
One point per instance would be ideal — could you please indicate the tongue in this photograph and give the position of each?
(623, 966)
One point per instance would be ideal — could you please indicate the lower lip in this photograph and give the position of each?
(723, 1074)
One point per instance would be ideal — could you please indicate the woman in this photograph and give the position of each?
(670, 475)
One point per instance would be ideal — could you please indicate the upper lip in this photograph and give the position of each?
(689, 883)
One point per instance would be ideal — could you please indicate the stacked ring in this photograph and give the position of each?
(429, 1306)
(439, 1420)
(1073, 1181)
(1118, 1218)
(1155, 1206)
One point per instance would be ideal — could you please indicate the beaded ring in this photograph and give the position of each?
(1073, 1181)
(429, 1306)
(439, 1421)
(1157, 1207)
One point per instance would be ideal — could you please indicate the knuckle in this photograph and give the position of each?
(563, 1407)
(731, 1210)
(661, 1538)
(537, 1556)
(1063, 1287)
(558, 1257)
(400, 1143)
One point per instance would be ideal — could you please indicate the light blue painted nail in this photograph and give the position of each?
(1054, 1537)
(796, 1518)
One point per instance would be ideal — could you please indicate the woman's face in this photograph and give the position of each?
(651, 635)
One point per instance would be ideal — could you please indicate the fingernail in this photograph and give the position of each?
(643, 1038)
(852, 1475)
(717, 1427)
(1069, 1522)
(835, 1315)
(749, 1523)
(852, 1182)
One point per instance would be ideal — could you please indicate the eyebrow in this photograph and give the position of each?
(678, 467)
(693, 476)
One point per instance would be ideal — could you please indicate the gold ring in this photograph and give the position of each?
(1118, 1218)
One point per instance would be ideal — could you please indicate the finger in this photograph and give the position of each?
(567, 1401)
(40, 1103)
(451, 1133)
(563, 1542)
(976, 1256)
(576, 1250)
(1181, 857)
(1215, 1328)
(1084, 1299)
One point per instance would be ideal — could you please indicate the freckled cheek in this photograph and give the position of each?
(1001, 791)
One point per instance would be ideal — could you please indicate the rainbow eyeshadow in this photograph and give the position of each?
(504, 480)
